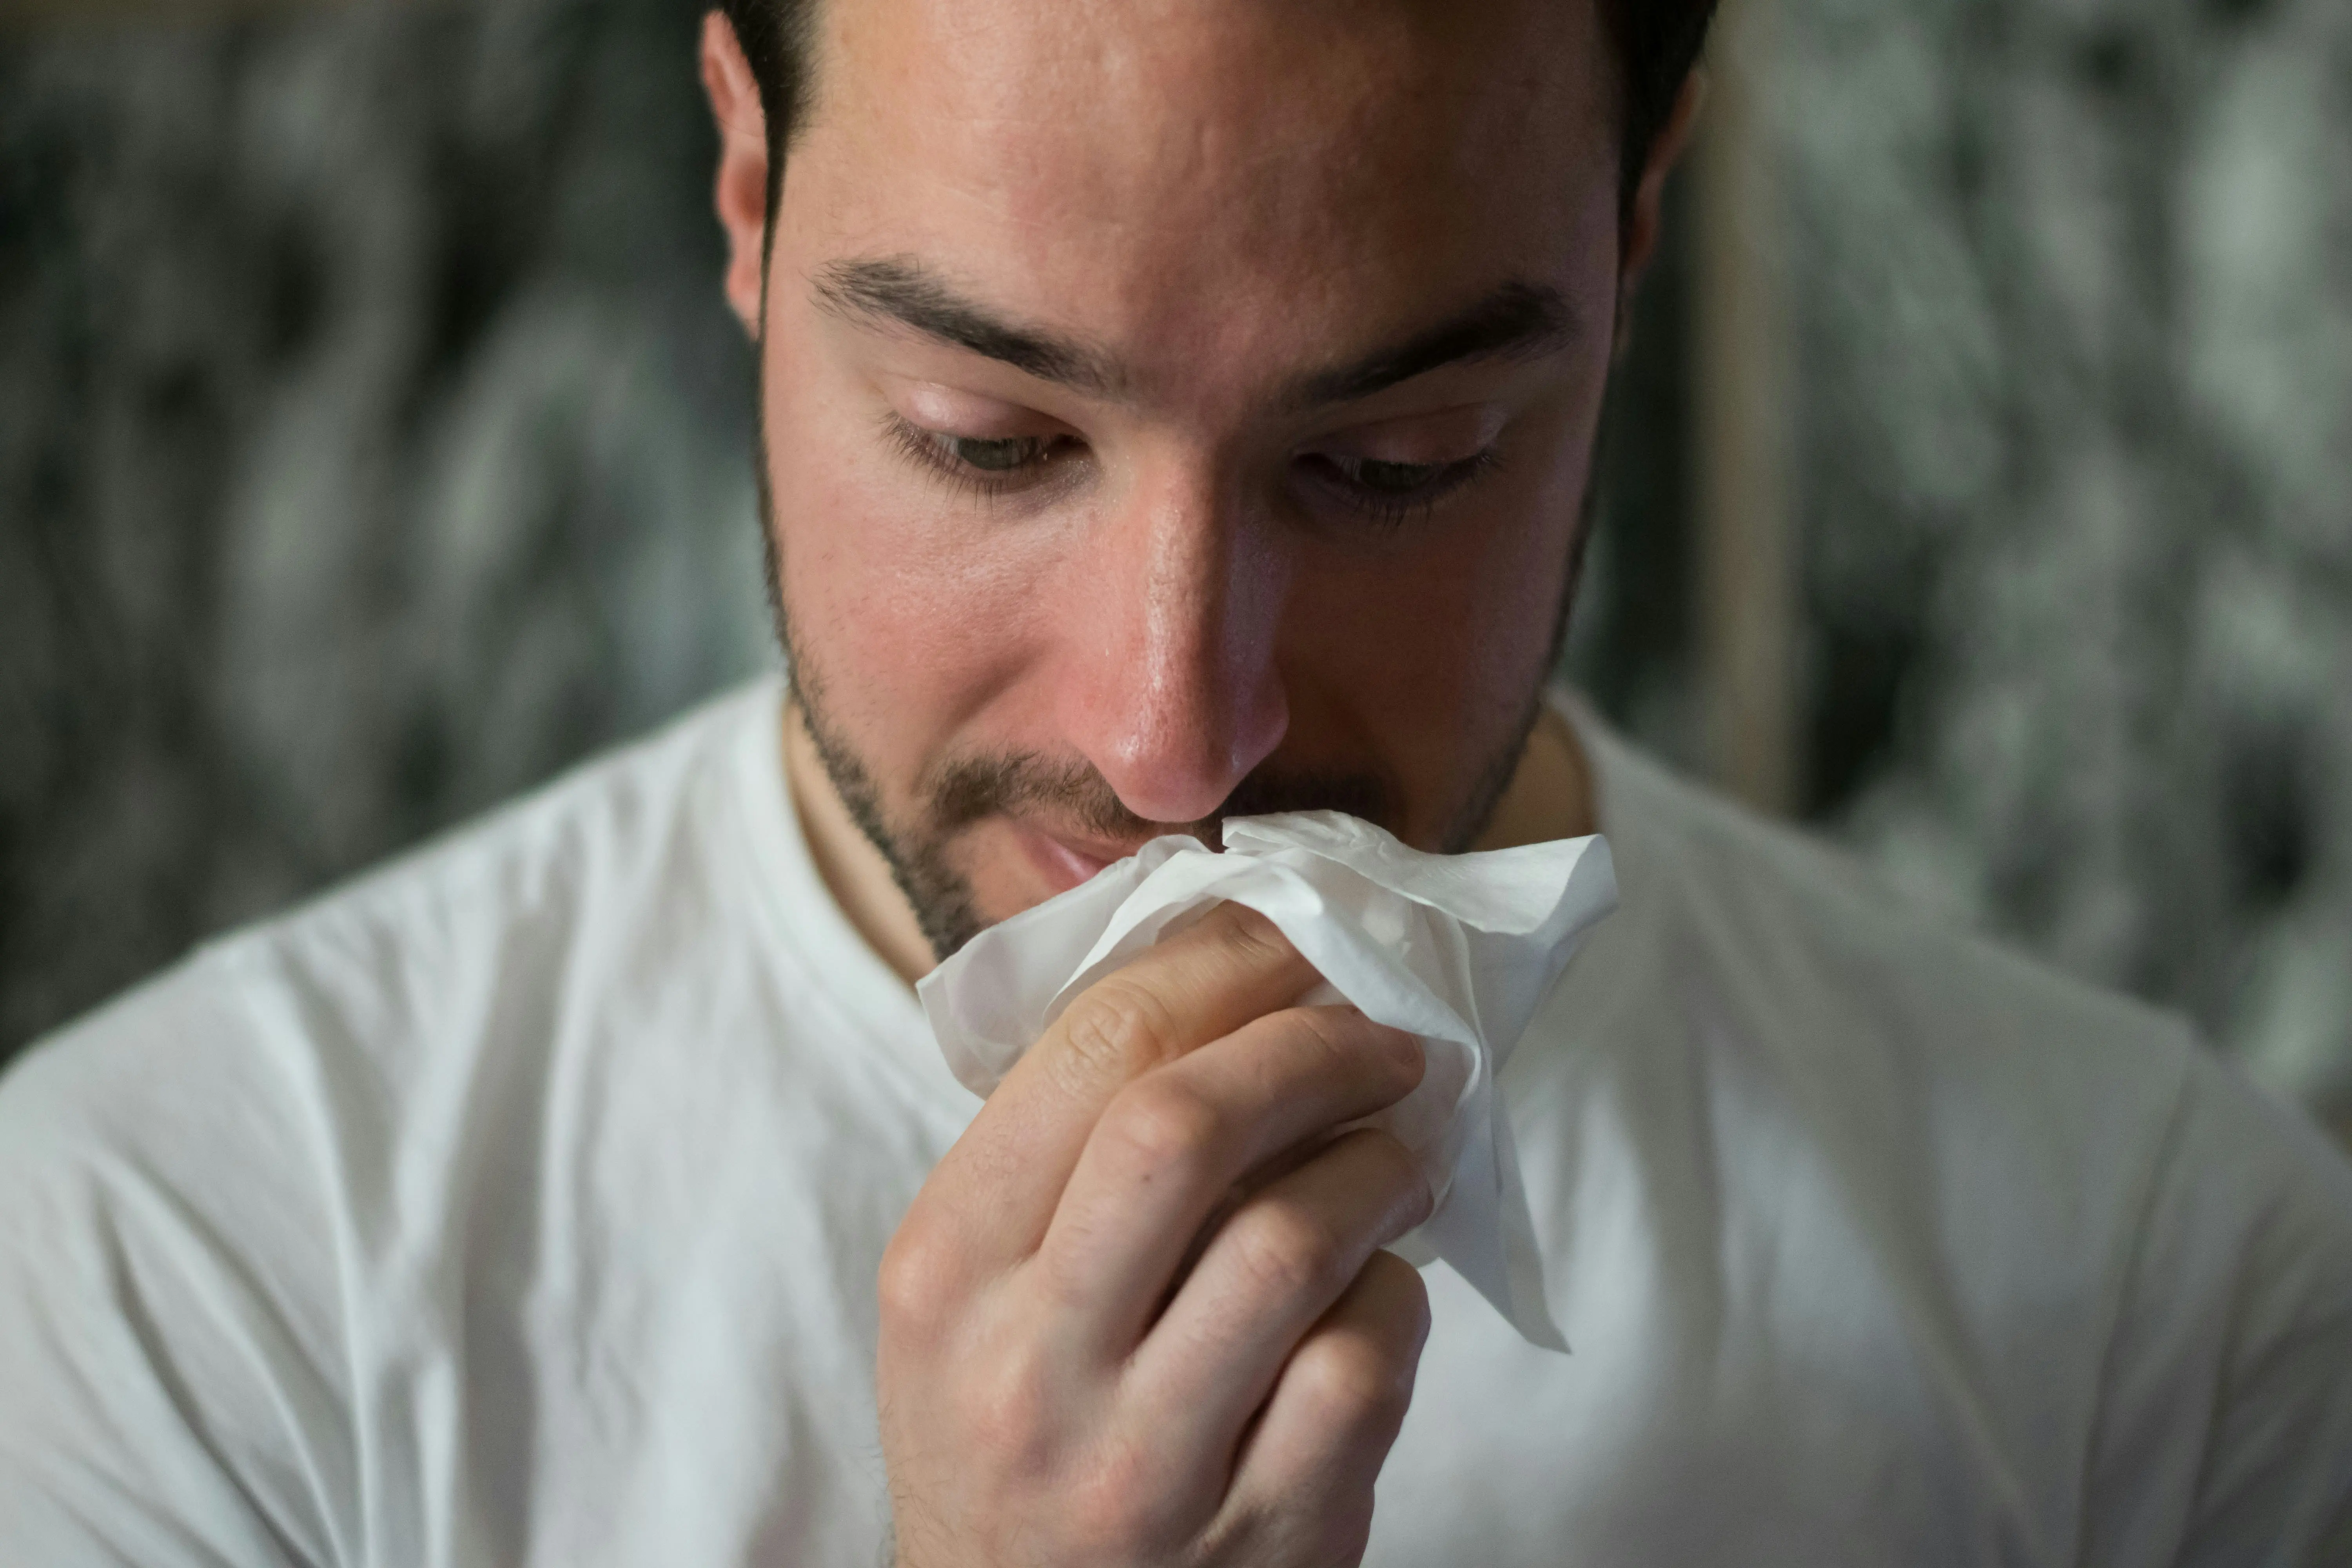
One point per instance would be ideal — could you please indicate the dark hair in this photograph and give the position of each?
(1657, 44)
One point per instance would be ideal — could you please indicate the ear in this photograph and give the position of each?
(1647, 218)
(741, 196)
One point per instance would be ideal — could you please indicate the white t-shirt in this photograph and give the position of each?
(520, 1205)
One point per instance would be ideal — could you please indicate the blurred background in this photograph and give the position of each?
(374, 444)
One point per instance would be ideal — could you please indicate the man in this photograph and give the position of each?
(1170, 411)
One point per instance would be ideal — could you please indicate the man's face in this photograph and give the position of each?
(1176, 408)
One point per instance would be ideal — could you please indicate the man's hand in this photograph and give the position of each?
(1057, 1385)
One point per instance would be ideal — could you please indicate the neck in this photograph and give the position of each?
(1551, 793)
(1550, 797)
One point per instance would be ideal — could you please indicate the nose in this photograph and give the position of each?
(1170, 687)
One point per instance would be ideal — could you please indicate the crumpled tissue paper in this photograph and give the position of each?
(1457, 949)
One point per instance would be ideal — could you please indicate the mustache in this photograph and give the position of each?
(967, 790)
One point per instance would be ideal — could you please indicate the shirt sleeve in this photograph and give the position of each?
(167, 1387)
(2224, 1435)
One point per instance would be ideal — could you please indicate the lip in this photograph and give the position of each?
(1062, 863)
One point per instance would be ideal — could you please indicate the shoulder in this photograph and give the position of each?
(171, 1337)
(647, 822)
(1930, 1084)
(1804, 952)
(1880, 1013)
(209, 1187)
(2140, 1259)
(2226, 1421)
(314, 1017)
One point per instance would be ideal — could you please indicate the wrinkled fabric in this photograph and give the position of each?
(1457, 949)
(522, 1205)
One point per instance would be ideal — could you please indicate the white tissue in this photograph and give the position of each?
(1456, 948)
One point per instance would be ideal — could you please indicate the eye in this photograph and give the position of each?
(985, 464)
(1390, 493)
(996, 456)
(1394, 478)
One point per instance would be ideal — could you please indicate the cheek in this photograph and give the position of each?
(1442, 637)
(908, 613)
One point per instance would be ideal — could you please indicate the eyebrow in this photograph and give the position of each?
(898, 288)
(1517, 320)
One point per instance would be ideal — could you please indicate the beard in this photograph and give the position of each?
(958, 794)
(954, 795)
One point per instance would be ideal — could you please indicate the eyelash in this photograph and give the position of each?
(926, 449)
(1387, 510)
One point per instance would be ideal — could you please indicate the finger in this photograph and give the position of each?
(1171, 1146)
(997, 1188)
(1317, 1449)
(1273, 1269)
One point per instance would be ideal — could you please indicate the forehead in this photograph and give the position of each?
(1122, 164)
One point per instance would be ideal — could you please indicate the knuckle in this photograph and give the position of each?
(1333, 1524)
(1121, 1510)
(1403, 1296)
(1160, 1124)
(920, 1282)
(1354, 1043)
(1286, 1252)
(1006, 1410)
(1353, 1382)
(1398, 1171)
(1251, 938)
(1118, 1029)
(1334, 1029)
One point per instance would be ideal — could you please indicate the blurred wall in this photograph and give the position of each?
(2071, 282)
(374, 444)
